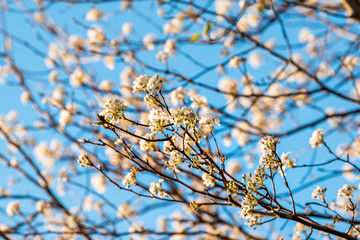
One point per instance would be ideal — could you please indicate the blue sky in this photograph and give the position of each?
(68, 16)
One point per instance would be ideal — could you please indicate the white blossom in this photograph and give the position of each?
(318, 193)
(99, 183)
(346, 191)
(208, 180)
(156, 188)
(317, 138)
(93, 14)
(114, 110)
(13, 208)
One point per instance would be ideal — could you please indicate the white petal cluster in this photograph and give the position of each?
(13, 208)
(207, 123)
(156, 188)
(125, 210)
(99, 183)
(350, 62)
(346, 191)
(114, 110)
(93, 14)
(148, 83)
(318, 193)
(77, 43)
(149, 41)
(178, 96)
(84, 160)
(127, 28)
(79, 77)
(96, 35)
(185, 116)
(208, 180)
(286, 161)
(174, 161)
(268, 143)
(129, 179)
(317, 138)
(157, 119)
(145, 145)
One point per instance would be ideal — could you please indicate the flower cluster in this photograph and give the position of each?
(185, 116)
(148, 83)
(319, 193)
(208, 180)
(157, 119)
(145, 145)
(156, 188)
(207, 123)
(114, 110)
(286, 161)
(317, 138)
(84, 160)
(346, 191)
(268, 143)
(130, 179)
(247, 205)
(13, 208)
(125, 210)
(269, 160)
(79, 77)
(174, 161)
(232, 187)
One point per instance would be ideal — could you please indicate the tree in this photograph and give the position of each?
(231, 119)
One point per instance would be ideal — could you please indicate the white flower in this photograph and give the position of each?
(157, 119)
(170, 46)
(129, 179)
(185, 116)
(149, 41)
(125, 210)
(207, 123)
(93, 14)
(140, 83)
(268, 143)
(317, 138)
(77, 43)
(65, 118)
(145, 145)
(155, 83)
(319, 193)
(84, 160)
(25, 97)
(106, 85)
(53, 76)
(346, 191)
(96, 35)
(114, 110)
(40, 206)
(255, 60)
(223, 6)
(109, 61)
(350, 62)
(127, 28)
(286, 161)
(178, 96)
(13, 208)
(234, 62)
(305, 35)
(39, 17)
(208, 180)
(156, 188)
(175, 160)
(99, 183)
(79, 77)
